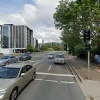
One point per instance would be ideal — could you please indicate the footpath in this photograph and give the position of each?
(90, 87)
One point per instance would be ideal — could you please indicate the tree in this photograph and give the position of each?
(74, 17)
(29, 48)
(58, 48)
(44, 47)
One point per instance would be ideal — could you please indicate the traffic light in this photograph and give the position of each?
(87, 35)
(87, 47)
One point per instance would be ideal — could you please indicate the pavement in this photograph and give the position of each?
(90, 87)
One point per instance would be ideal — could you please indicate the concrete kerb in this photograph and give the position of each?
(72, 68)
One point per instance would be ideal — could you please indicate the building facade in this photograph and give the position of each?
(15, 38)
(35, 42)
(40, 43)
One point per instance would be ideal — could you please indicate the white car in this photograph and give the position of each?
(59, 59)
(13, 78)
(51, 56)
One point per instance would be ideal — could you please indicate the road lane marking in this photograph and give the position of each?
(54, 74)
(51, 80)
(66, 82)
(34, 61)
(39, 79)
(38, 62)
(49, 68)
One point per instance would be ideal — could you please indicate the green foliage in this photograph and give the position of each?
(58, 48)
(73, 17)
(29, 47)
(80, 50)
(44, 47)
(35, 48)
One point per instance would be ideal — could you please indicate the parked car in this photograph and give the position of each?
(59, 59)
(1, 53)
(25, 56)
(5, 60)
(13, 78)
(50, 56)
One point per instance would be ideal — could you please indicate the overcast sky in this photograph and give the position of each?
(36, 14)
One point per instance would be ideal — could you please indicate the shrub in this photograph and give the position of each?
(80, 50)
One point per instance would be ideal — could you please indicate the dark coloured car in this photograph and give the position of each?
(25, 56)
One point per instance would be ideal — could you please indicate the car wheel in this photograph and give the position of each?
(64, 63)
(14, 94)
(54, 62)
(7, 63)
(34, 76)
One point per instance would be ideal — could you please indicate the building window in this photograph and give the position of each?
(5, 36)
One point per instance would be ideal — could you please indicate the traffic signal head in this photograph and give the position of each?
(87, 35)
(87, 47)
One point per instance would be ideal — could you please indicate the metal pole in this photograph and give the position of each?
(14, 44)
(88, 64)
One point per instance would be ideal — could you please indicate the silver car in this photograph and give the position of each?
(59, 59)
(51, 56)
(13, 78)
(5, 60)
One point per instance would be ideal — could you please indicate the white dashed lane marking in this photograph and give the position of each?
(49, 68)
(51, 80)
(54, 81)
(38, 62)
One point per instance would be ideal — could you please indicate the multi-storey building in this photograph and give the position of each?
(35, 42)
(14, 38)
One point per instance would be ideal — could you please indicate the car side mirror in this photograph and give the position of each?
(22, 74)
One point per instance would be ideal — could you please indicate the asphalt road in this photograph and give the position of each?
(53, 82)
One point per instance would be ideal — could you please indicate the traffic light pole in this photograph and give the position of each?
(88, 64)
(87, 39)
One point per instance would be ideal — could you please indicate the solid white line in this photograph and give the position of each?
(66, 82)
(51, 80)
(39, 79)
(38, 62)
(49, 68)
(55, 74)
(33, 61)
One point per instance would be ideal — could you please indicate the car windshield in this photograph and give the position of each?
(5, 57)
(59, 56)
(50, 54)
(25, 54)
(6, 72)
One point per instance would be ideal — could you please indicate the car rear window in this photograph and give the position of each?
(59, 56)
(50, 54)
